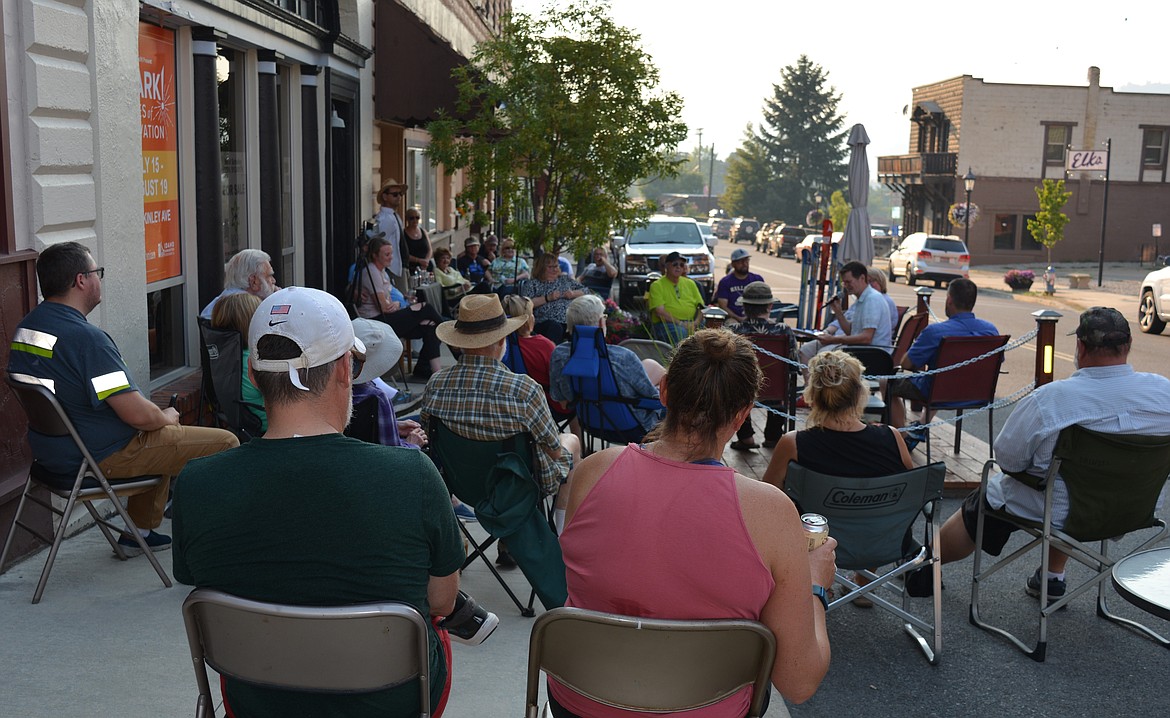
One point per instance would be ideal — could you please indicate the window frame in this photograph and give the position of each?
(1048, 127)
(1146, 130)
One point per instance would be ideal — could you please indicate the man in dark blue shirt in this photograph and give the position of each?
(124, 431)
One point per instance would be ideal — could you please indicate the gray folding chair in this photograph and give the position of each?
(1113, 483)
(327, 649)
(872, 518)
(647, 664)
(660, 352)
(46, 416)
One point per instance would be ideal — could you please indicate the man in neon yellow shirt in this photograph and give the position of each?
(674, 301)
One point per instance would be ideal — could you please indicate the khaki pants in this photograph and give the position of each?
(162, 451)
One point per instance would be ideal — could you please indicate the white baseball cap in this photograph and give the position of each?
(314, 320)
(383, 348)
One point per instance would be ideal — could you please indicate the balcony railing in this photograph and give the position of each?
(917, 166)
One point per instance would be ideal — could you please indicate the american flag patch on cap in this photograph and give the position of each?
(280, 309)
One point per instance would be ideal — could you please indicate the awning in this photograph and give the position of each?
(412, 68)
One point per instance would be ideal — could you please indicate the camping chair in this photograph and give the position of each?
(223, 371)
(514, 360)
(660, 352)
(1113, 483)
(875, 361)
(779, 377)
(651, 665)
(496, 478)
(327, 649)
(969, 387)
(871, 519)
(604, 414)
(89, 484)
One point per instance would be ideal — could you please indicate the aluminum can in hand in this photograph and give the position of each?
(817, 528)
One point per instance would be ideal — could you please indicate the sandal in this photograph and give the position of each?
(744, 445)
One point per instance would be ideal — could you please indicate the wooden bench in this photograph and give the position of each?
(1078, 281)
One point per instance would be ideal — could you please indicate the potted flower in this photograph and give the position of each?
(1020, 280)
(619, 324)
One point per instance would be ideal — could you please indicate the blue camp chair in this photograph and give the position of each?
(515, 361)
(604, 414)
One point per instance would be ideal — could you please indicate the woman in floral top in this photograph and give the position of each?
(551, 293)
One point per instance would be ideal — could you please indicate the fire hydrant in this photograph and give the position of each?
(1050, 280)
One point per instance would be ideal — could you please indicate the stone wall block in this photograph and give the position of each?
(58, 87)
(62, 144)
(56, 28)
(60, 199)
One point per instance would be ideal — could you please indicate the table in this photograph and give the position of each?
(1143, 579)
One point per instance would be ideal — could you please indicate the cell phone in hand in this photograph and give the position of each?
(174, 403)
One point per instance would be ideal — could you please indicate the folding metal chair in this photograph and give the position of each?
(89, 484)
(872, 520)
(604, 414)
(969, 387)
(660, 352)
(652, 665)
(467, 467)
(1113, 483)
(328, 649)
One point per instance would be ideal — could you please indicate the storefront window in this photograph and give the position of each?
(287, 259)
(1028, 243)
(1004, 238)
(423, 192)
(229, 73)
(164, 326)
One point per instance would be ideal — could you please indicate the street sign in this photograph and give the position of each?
(1086, 161)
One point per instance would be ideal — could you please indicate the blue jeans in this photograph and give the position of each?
(669, 333)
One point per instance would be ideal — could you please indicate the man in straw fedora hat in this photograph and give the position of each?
(480, 399)
(390, 225)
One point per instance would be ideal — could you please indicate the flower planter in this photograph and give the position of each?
(1020, 286)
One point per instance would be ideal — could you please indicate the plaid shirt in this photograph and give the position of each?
(480, 399)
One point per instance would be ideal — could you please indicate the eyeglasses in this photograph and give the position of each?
(678, 264)
(359, 361)
(100, 271)
(412, 218)
(393, 194)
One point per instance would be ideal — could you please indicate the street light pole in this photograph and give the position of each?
(968, 184)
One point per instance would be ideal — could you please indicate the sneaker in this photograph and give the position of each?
(469, 623)
(503, 558)
(913, 438)
(1055, 588)
(156, 541)
(770, 443)
(465, 512)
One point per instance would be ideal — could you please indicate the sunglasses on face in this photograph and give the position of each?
(412, 218)
(393, 194)
(678, 264)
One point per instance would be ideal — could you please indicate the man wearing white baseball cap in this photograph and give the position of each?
(308, 516)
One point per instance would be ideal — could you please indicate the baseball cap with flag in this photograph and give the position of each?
(313, 320)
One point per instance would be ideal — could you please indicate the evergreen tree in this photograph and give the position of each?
(748, 181)
(803, 137)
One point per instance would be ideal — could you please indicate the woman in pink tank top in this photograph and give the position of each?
(665, 530)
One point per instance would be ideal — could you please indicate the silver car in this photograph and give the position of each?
(937, 257)
(1154, 300)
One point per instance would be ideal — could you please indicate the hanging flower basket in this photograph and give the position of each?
(1020, 280)
(962, 214)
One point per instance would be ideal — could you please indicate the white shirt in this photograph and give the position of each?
(389, 223)
(870, 312)
(1109, 399)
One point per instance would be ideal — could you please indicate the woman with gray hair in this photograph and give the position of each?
(636, 378)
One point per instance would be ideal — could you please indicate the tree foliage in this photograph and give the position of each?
(559, 116)
(1048, 226)
(803, 139)
(839, 211)
(747, 191)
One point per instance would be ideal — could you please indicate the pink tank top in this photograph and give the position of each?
(662, 539)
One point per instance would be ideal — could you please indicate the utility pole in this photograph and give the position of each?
(711, 179)
(699, 159)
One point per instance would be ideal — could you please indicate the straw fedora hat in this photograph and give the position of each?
(481, 323)
(391, 184)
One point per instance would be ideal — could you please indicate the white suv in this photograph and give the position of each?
(930, 256)
(1154, 301)
(641, 251)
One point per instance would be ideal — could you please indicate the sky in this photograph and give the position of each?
(724, 56)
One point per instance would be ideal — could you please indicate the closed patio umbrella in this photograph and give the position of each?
(857, 243)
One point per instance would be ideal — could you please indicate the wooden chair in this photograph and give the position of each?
(969, 387)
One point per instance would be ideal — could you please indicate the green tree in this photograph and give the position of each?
(1048, 226)
(559, 116)
(803, 137)
(839, 211)
(748, 181)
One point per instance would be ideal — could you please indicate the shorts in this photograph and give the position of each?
(996, 531)
(907, 389)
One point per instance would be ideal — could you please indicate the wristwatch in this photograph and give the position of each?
(821, 593)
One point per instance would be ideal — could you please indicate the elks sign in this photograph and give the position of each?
(1086, 161)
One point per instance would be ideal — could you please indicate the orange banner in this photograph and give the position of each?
(160, 167)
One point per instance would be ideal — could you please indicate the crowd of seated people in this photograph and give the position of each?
(551, 291)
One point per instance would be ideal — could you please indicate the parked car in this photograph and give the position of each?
(785, 239)
(641, 250)
(764, 236)
(744, 228)
(930, 256)
(805, 245)
(883, 240)
(722, 227)
(1154, 300)
(708, 234)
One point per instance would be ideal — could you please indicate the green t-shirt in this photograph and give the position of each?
(318, 521)
(681, 299)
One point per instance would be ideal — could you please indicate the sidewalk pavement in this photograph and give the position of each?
(1119, 286)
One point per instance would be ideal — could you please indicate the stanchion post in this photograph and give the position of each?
(923, 304)
(1046, 320)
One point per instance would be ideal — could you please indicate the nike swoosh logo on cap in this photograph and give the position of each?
(272, 323)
